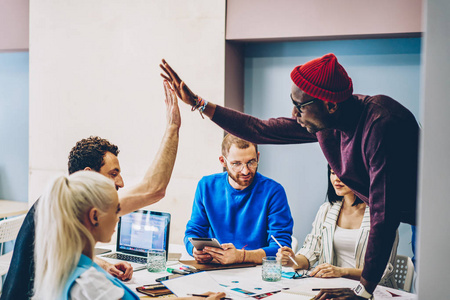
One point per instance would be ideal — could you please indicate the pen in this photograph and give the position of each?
(175, 271)
(190, 270)
(190, 267)
(156, 287)
(281, 247)
(206, 296)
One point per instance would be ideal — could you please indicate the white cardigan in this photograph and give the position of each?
(318, 245)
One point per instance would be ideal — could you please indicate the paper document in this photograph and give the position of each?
(197, 283)
(304, 289)
(244, 287)
(285, 296)
(382, 292)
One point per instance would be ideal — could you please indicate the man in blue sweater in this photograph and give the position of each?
(240, 208)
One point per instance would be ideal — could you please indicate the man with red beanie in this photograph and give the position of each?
(371, 143)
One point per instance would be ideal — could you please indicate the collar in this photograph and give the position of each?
(348, 115)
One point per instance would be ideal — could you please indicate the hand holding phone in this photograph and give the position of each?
(200, 243)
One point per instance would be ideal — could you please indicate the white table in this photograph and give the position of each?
(10, 208)
(253, 274)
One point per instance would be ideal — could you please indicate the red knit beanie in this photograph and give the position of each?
(323, 78)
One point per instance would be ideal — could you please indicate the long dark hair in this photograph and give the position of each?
(331, 193)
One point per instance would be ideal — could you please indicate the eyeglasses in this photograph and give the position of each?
(238, 166)
(299, 106)
(301, 274)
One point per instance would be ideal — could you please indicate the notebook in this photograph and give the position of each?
(213, 267)
(137, 232)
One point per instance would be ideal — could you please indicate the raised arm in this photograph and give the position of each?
(153, 186)
(272, 131)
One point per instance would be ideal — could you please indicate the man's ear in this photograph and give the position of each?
(87, 169)
(222, 161)
(331, 107)
(257, 156)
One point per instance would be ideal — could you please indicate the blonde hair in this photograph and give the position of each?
(61, 234)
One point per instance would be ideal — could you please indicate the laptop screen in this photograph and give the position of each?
(142, 230)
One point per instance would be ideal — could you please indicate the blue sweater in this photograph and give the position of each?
(243, 217)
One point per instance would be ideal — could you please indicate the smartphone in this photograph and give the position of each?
(200, 243)
(167, 277)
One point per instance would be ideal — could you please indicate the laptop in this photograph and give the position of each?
(137, 232)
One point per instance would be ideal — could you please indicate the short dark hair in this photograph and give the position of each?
(230, 139)
(331, 193)
(89, 153)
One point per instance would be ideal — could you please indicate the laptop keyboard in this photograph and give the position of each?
(126, 257)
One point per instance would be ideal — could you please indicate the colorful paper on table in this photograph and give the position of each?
(247, 287)
(197, 283)
(287, 275)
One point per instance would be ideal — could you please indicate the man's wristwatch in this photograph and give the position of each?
(360, 291)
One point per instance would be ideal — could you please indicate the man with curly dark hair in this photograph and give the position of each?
(89, 153)
(99, 155)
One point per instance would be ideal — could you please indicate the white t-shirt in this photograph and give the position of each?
(344, 244)
(93, 285)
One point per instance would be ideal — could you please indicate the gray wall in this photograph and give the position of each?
(434, 244)
(14, 126)
(383, 66)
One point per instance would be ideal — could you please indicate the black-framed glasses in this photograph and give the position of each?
(299, 106)
(238, 166)
(301, 274)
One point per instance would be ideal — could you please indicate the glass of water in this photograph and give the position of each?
(156, 260)
(271, 268)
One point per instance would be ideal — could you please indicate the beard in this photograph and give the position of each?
(238, 178)
(313, 129)
(316, 127)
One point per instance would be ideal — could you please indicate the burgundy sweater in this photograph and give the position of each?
(374, 151)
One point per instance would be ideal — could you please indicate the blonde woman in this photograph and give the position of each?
(338, 239)
(74, 214)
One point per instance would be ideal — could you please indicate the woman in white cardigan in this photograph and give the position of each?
(338, 239)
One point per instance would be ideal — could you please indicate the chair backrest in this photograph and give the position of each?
(294, 244)
(9, 228)
(404, 272)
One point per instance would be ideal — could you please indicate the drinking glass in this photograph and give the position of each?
(156, 260)
(271, 268)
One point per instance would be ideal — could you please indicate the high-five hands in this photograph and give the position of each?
(181, 89)
(172, 110)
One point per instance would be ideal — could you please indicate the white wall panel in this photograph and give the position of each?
(94, 70)
(434, 245)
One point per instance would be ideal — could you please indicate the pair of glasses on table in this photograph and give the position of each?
(301, 274)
